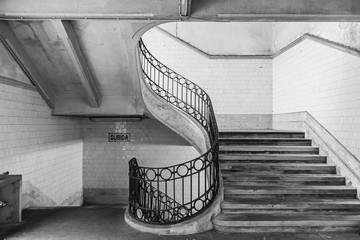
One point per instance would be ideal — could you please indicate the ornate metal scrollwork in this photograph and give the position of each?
(175, 193)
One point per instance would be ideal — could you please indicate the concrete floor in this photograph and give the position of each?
(108, 223)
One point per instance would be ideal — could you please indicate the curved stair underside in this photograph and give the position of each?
(192, 186)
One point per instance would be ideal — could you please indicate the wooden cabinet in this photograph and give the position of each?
(10, 194)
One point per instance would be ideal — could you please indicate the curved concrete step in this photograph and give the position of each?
(266, 141)
(232, 149)
(276, 168)
(285, 223)
(260, 134)
(272, 158)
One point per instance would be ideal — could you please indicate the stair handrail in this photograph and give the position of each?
(200, 176)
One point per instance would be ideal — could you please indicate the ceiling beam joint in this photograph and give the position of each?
(67, 33)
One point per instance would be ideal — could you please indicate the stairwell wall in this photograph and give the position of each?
(47, 151)
(106, 163)
(323, 81)
(240, 89)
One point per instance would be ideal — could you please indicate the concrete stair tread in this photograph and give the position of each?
(260, 147)
(293, 201)
(275, 164)
(267, 156)
(281, 175)
(255, 134)
(287, 183)
(257, 131)
(263, 139)
(257, 219)
(289, 200)
(232, 203)
(285, 188)
(260, 177)
(278, 167)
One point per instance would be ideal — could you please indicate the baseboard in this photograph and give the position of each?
(106, 195)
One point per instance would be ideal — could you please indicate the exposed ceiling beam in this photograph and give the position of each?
(185, 8)
(212, 10)
(18, 52)
(276, 10)
(67, 34)
(90, 9)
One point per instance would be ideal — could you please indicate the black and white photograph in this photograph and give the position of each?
(179, 119)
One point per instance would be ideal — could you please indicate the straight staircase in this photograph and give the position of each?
(276, 181)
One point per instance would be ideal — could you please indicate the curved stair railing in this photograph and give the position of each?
(172, 194)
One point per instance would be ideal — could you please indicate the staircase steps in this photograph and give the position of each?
(272, 158)
(260, 134)
(284, 179)
(320, 206)
(285, 223)
(275, 181)
(267, 191)
(232, 149)
(271, 168)
(266, 141)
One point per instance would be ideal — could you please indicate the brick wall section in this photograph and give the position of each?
(236, 86)
(325, 82)
(46, 150)
(106, 163)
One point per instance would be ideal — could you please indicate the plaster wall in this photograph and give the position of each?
(346, 33)
(106, 163)
(240, 89)
(45, 150)
(225, 38)
(323, 81)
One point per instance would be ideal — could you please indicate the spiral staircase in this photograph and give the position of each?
(173, 194)
(274, 181)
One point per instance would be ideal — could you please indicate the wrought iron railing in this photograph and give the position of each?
(168, 195)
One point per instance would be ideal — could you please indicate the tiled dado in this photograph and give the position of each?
(105, 169)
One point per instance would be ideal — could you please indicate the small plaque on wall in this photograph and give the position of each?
(119, 137)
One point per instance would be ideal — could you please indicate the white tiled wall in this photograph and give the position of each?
(46, 150)
(236, 86)
(57, 156)
(325, 82)
(152, 143)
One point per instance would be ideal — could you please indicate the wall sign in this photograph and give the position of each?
(119, 137)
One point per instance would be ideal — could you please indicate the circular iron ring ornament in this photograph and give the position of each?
(166, 216)
(182, 170)
(183, 211)
(198, 164)
(150, 174)
(165, 174)
(139, 213)
(198, 204)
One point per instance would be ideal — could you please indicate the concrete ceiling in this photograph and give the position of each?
(81, 54)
